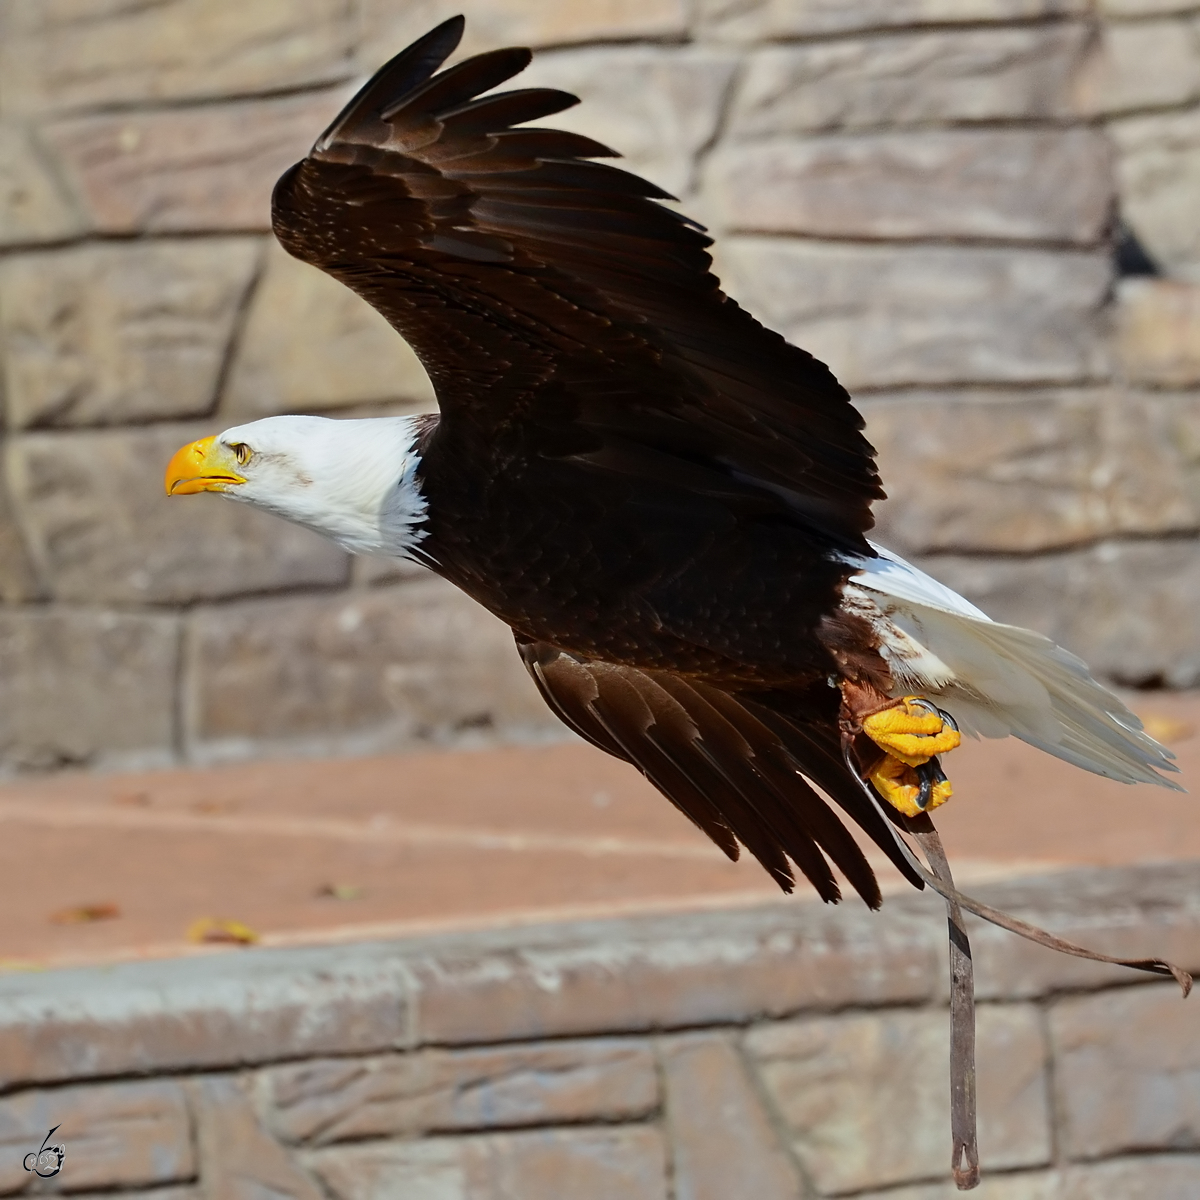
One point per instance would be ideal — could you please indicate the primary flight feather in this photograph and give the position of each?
(667, 502)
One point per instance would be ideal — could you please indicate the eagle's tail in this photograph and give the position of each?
(997, 680)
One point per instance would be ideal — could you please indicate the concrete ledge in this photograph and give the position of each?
(780, 1051)
(253, 1006)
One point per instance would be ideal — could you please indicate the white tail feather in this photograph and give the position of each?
(998, 680)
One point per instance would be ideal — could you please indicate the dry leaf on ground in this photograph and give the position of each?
(83, 913)
(221, 929)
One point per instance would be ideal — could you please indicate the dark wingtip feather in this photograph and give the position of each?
(461, 82)
(400, 74)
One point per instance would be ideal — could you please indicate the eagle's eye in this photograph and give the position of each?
(242, 452)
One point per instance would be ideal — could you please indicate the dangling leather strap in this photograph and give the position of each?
(964, 1154)
(965, 1157)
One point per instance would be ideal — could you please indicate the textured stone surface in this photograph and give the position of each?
(239, 1159)
(1120, 911)
(1146, 1177)
(885, 316)
(1144, 64)
(116, 1134)
(33, 205)
(78, 687)
(681, 972)
(1127, 1072)
(414, 662)
(1158, 169)
(584, 1164)
(100, 528)
(723, 1143)
(1142, 8)
(251, 1006)
(1031, 471)
(102, 334)
(18, 576)
(749, 19)
(437, 1090)
(80, 53)
(656, 106)
(208, 167)
(1048, 185)
(900, 79)
(491, 23)
(1125, 607)
(866, 1097)
(310, 344)
(1158, 331)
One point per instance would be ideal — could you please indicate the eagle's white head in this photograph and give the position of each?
(354, 481)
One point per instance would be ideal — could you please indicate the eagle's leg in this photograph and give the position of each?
(912, 733)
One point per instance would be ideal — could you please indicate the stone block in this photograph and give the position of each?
(392, 666)
(1127, 1072)
(866, 1096)
(1022, 1185)
(657, 106)
(1158, 171)
(885, 316)
(100, 528)
(1027, 472)
(911, 79)
(103, 334)
(1142, 8)
(18, 576)
(1143, 64)
(675, 973)
(1147, 1177)
(180, 1192)
(1018, 184)
(1158, 331)
(338, 1100)
(388, 27)
(310, 344)
(723, 1143)
(752, 20)
(1126, 608)
(72, 54)
(33, 205)
(239, 1159)
(1126, 911)
(116, 1135)
(584, 1164)
(210, 167)
(80, 688)
(210, 1012)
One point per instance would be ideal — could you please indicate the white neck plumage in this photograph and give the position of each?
(353, 481)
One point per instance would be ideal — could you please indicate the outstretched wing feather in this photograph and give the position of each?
(585, 250)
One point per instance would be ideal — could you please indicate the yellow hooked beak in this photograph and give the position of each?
(203, 466)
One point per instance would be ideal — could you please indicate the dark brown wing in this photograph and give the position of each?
(733, 764)
(558, 308)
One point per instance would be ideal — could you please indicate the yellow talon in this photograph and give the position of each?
(900, 786)
(912, 731)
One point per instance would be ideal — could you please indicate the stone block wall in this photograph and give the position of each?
(788, 1052)
(925, 193)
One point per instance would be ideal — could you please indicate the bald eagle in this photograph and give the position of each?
(667, 502)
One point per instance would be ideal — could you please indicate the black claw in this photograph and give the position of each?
(928, 776)
(933, 710)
